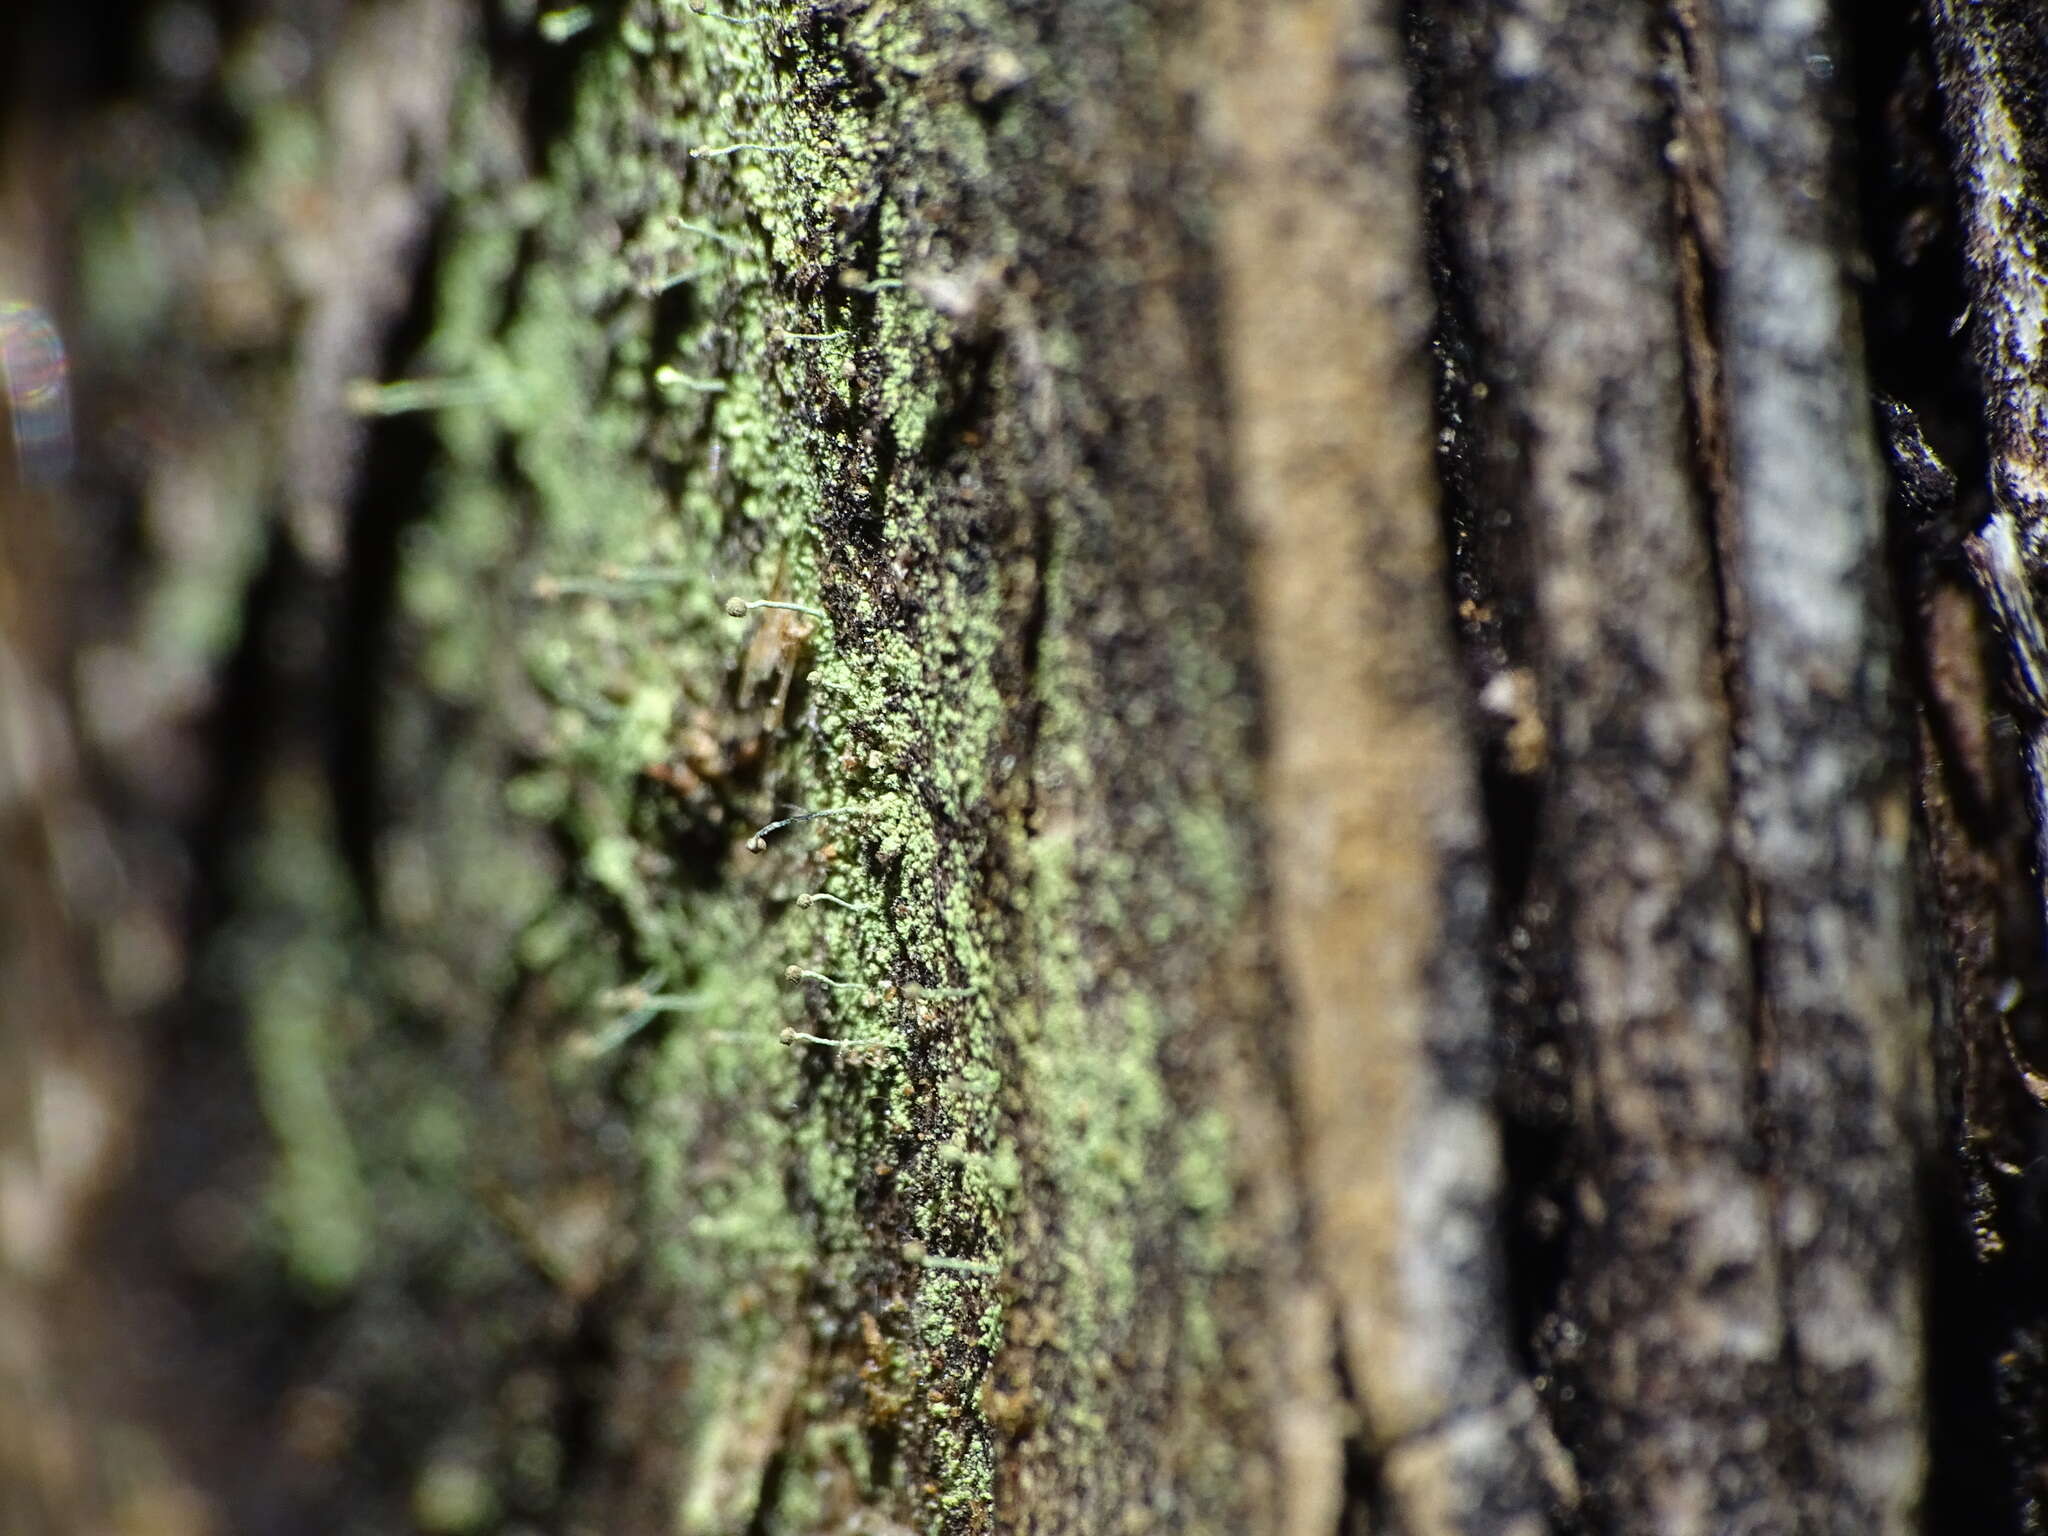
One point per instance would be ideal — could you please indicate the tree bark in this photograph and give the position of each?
(1098, 766)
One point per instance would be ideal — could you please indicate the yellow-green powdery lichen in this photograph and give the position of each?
(734, 338)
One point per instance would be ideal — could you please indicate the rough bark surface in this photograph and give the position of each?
(1380, 897)
(1823, 803)
(1026, 765)
(1673, 1288)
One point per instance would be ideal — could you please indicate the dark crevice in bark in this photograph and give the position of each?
(1988, 1266)
(219, 1364)
(241, 733)
(1699, 217)
(540, 76)
(1491, 599)
(1915, 296)
(1971, 1472)
(1365, 1508)
(391, 495)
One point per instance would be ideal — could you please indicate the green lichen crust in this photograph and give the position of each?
(946, 1209)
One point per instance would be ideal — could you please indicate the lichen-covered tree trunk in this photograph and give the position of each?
(1027, 765)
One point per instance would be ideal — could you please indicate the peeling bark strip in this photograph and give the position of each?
(1994, 76)
(1672, 1322)
(1821, 776)
(1375, 831)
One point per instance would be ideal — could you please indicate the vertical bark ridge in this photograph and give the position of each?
(1822, 791)
(1821, 775)
(1374, 828)
(1670, 1327)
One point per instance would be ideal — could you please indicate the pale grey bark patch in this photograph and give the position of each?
(1821, 775)
(1562, 240)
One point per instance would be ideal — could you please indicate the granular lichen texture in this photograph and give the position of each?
(814, 311)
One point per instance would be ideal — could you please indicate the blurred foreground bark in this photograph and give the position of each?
(1087, 766)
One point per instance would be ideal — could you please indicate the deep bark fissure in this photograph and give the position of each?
(399, 456)
(1910, 225)
(1490, 597)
